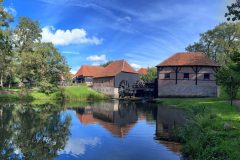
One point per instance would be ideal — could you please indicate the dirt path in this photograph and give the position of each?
(237, 103)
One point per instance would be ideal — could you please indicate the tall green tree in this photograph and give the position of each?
(27, 33)
(229, 76)
(6, 53)
(40, 64)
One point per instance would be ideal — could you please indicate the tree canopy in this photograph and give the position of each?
(219, 42)
(25, 60)
(233, 11)
(150, 76)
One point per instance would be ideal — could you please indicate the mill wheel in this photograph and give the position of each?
(123, 88)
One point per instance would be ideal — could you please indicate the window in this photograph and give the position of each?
(167, 75)
(206, 76)
(186, 76)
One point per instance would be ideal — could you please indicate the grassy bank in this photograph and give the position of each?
(212, 131)
(69, 93)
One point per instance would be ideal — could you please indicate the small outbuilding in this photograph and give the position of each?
(86, 74)
(188, 74)
(116, 76)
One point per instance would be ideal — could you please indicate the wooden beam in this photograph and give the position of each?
(176, 70)
(196, 70)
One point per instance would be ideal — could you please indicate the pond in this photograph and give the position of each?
(111, 130)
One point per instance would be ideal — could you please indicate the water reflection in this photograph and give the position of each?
(118, 117)
(104, 130)
(32, 132)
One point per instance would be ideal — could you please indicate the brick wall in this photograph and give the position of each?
(186, 87)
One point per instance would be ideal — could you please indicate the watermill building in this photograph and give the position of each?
(118, 74)
(188, 74)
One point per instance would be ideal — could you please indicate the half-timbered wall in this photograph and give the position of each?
(195, 86)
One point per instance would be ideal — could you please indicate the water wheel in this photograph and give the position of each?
(123, 88)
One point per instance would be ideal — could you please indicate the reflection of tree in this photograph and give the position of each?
(39, 131)
(6, 133)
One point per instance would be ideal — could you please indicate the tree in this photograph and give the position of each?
(40, 64)
(105, 64)
(27, 33)
(5, 42)
(233, 11)
(150, 76)
(219, 42)
(229, 76)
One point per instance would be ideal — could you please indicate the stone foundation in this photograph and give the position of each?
(186, 89)
(110, 91)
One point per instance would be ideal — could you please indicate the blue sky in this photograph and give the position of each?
(144, 32)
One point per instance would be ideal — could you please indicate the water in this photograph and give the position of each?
(112, 130)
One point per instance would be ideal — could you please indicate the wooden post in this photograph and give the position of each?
(196, 75)
(176, 70)
(196, 70)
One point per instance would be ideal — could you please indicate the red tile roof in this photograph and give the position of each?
(142, 71)
(188, 59)
(89, 71)
(114, 68)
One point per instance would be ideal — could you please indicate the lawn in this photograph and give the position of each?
(213, 128)
(82, 92)
(69, 93)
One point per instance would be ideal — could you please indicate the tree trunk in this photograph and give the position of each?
(1, 81)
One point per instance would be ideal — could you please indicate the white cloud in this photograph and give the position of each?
(97, 58)
(66, 37)
(77, 146)
(11, 11)
(134, 65)
(74, 69)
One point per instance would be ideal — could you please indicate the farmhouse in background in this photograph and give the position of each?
(142, 71)
(114, 77)
(189, 74)
(86, 73)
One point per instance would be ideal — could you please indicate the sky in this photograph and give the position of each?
(143, 32)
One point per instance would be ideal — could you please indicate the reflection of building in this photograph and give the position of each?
(116, 117)
(119, 117)
(167, 120)
(175, 147)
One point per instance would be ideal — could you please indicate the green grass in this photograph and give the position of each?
(213, 128)
(224, 95)
(82, 92)
(70, 93)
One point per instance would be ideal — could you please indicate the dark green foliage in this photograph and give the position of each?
(150, 76)
(233, 11)
(229, 76)
(105, 64)
(212, 129)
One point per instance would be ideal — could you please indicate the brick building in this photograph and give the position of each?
(188, 74)
(86, 73)
(112, 76)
